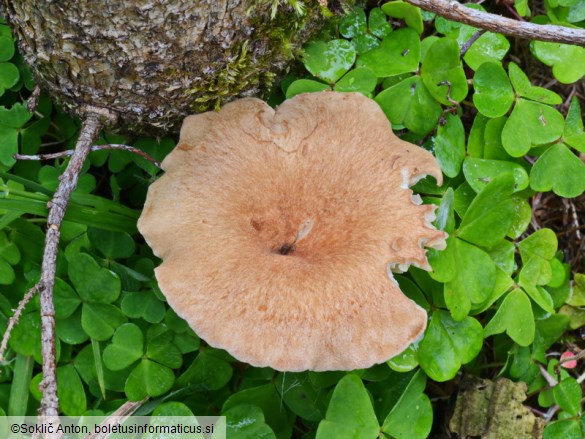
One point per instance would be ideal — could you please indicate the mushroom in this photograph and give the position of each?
(276, 228)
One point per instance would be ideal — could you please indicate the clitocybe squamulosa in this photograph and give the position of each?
(276, 228)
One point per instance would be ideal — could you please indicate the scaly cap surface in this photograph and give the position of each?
(276, 228)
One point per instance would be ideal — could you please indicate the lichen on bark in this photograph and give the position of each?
(494, 410)
(154, 62)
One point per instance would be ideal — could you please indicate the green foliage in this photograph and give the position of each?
(500, 297)
(350, 413)
(448, 344)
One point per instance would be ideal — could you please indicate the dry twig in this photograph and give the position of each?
(119, 416)
(455, 11)
(472, 40)
(111, 146)
(57, 207)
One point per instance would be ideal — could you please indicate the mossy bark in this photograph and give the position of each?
(154, 62)
(493, 410)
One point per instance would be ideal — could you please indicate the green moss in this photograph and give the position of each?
(276, 5)
(259, 69)
(232, 79)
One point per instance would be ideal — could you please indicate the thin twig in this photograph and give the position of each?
(455, 11)
(69, 152)
(535, 206)
(118, 416)
(581, 378)
(512, 11)
(471, 40)
(551, 412)
(575, 220)
(552, 381)
(13, 321)
(537, 412)
(91, 126)
(449, 98)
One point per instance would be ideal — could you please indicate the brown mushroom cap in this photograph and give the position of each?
(276, 227)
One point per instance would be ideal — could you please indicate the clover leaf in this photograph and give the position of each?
(11, 121)
(409, 104)
(559, 170)
(160, 348)
(491, 214)
(568, 395)
(574, 135)
(530, 124)
(405, 11)
(144, 305)
(567, 61)
(6, 48)
(92, 282)
(9, 76)
(246, 421)
(9, 256)
(442, 72)
(114, 245)
(305, 86)
(490, 47)
(565, 428)
(267, 398)
(536, 252)
(450, 145)
(398, 53)
(479, 172)
(378, 23)
(525, 89)
(406, 361)
(126, 347)
(360, 79)
(515, 317)
(542, 243)
(301, 396)
(353, 24)
(66, 299)
(72, 400)
(148, 379)
(448, 344)
(100, 320)
(350, 413)
(412, 415)
(493, 95)
(329, 61)
(473, 282)
(70, 329)
(206, 372)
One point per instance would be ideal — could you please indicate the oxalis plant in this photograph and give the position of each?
(501, 356)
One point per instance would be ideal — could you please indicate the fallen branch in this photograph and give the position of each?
(455, 11)
(57, 206)
(472, 40)
(118, 417)
(70, 152)
(92, 123)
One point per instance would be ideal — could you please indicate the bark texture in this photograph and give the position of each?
(151, 61)
(492, 410)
